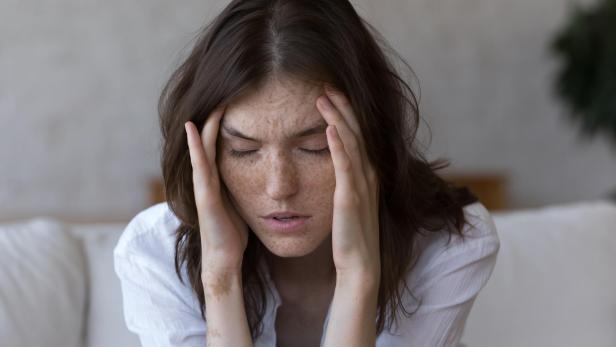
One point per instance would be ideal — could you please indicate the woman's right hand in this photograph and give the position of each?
(224, 234)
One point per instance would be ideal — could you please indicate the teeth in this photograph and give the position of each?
(284, 218)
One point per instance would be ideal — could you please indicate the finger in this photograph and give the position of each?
(342, 103)
(197, 153)
(205, 182)
(343, 168)
(347, 138)
(209, 135)
(344, 106)
(333, 117)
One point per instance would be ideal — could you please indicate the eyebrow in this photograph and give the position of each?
(317, 129)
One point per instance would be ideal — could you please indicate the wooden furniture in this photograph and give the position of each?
(156, 191)
(490, 188)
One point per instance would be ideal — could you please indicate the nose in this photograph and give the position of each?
(281, 178)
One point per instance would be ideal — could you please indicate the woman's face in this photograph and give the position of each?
(279, 175)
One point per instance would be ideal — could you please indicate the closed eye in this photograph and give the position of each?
(240, 154)
(316, 151)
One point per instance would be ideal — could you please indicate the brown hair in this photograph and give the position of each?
(319, 41)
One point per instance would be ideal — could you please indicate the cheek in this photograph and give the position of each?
(319, 183)
(240, 179)
(319, 176)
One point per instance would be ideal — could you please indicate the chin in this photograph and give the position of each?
(292, 246)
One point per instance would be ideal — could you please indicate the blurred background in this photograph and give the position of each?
(80, 80)
(519, 95)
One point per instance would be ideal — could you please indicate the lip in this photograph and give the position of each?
(291, 225)
(282, 214)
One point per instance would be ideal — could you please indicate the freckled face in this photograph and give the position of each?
(282, 171)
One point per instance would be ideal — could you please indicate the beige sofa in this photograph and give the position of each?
(554, 283)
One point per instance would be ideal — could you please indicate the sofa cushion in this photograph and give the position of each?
(43, 285)
(554, 283)
(104, 319)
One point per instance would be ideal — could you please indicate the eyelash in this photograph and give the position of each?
(240, 154)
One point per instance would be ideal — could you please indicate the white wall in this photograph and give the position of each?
(486, 79)
(79, 83)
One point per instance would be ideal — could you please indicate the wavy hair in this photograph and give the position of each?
(318, 41)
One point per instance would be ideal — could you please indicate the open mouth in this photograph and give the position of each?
(286, 218)
(286, 224)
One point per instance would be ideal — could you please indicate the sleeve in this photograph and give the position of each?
(157, 306)
(447, 288)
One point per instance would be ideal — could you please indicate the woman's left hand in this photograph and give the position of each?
(355, 226)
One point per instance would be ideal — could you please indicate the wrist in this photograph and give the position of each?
(367, 280)
(215, 267)
(220, 261)
(353, 311)
(360, 287)
(218, 284)
(225, 312)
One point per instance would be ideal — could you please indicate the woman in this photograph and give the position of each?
(299, 210)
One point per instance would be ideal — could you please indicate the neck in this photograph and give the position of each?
(308, 275)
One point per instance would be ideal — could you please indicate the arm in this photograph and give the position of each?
(224, 238)
(353, 313)
(355, 227)
(225, 312)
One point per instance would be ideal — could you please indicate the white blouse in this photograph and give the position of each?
(164, 312)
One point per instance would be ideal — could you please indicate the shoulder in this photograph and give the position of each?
(479, 229)
(480, 225)
(449, 273)
(443, 251)
(152, 230)
(158, 306)
(479, 222)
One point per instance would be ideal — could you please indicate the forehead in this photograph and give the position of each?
(277, 103)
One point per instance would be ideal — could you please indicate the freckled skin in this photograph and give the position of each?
(279, 175)
(220, 286)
